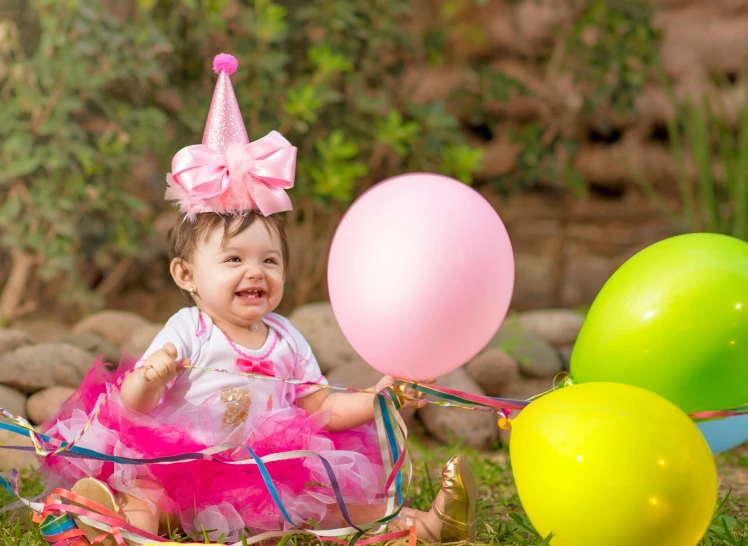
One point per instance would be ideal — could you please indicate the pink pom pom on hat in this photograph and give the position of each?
(228, 174)
(225, 63)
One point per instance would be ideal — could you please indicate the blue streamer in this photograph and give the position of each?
(393, 445)
(77, 452)
(269, 484)
(7, 486)
(83, 452)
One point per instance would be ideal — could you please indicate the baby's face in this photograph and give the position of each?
(242, 281)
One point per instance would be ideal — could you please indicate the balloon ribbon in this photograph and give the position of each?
(53, 515)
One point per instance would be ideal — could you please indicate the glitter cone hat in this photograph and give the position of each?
(228, 174)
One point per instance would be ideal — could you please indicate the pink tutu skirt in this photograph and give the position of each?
(209, 494)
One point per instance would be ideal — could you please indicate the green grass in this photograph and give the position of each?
(501, 520)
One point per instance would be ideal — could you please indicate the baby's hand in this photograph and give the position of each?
(160, 367)
(389, 381)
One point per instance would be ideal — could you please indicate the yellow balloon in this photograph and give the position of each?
(615, 465)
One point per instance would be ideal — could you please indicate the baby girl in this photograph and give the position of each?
(230, 255)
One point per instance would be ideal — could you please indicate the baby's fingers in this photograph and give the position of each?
(169, 370)
(150, 374)
(170, 350)
(160, 370)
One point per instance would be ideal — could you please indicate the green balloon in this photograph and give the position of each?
(674, 320)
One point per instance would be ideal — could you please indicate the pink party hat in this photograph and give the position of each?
(225, 124)
(228, 174)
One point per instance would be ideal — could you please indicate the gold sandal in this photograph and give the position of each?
(98, 492)
(460, 495)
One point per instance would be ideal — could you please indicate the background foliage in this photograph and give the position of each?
(92, 89)
(711, 157)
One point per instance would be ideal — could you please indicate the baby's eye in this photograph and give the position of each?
(234, 259)
(271, 261)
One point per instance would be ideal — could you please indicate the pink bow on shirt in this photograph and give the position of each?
(262, 170)
(264, 367)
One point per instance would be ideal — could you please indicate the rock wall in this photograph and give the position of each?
(566, 249)
(703, 42)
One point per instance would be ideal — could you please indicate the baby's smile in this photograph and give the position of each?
(253, 295)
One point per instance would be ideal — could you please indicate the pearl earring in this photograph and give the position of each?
(192, 291)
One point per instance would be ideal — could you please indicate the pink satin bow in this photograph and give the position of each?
(261, 170)
(264, 367)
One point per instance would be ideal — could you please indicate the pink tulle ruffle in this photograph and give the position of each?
(209, 494)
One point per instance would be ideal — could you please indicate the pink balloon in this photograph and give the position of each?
(421, 274)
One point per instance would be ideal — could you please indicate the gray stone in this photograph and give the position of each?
(473, 428)
(42, 330)
(535, 356)
(45, 404)
(114, 326)
(141, 339)
(13, 400)
(96, 345)
(317, 323)
(494, 370)
(526, 388)
(12, 338)
(36, 367)
(359, 375)
(556, 326)
(15, 459)
(354, 375)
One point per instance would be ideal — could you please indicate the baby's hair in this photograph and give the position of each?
(184, 236)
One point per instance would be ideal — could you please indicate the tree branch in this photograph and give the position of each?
(113, 281)
(13, 293)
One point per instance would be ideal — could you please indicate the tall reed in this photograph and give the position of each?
(714, 196)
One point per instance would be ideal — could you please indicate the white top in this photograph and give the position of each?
(234, 401)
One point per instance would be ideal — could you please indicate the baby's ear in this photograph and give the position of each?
(181, 272)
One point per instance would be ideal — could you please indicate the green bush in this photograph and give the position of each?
(75, 120)
(101, 86)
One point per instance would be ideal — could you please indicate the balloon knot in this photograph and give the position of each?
(505, 423)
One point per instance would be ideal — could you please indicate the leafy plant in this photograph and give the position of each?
(105, 85)
(74, 123)
(612, 50)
